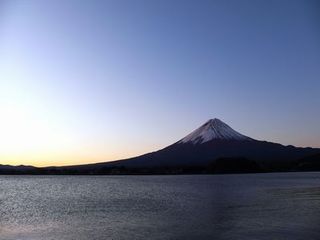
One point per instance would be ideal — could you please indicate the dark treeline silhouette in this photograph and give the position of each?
(311, 163)
(218, 166)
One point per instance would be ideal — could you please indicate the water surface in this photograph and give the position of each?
(248, 206)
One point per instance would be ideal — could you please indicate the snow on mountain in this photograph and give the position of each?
(214, 129)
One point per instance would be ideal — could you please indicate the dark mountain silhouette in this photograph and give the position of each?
(212, 141)
(213, 147)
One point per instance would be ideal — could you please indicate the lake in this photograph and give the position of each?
(247, 206)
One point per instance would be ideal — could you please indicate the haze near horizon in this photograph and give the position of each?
(92, 81)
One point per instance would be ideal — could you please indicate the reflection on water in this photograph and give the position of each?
(250, 206)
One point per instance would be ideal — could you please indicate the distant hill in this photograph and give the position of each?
(7, 169)
(214, 144)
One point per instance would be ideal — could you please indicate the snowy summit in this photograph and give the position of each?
(214, 129)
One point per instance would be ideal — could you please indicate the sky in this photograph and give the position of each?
(93, 81)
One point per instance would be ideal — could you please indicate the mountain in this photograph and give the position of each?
(214, 147)
(201, 148)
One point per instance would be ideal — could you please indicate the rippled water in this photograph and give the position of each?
(250, 206)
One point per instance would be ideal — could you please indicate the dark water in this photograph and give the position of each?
(252, 206)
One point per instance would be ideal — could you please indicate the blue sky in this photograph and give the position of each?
(88, 81)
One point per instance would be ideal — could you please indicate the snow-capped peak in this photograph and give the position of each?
(211, 130)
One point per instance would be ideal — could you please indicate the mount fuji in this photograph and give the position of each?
(211, 143)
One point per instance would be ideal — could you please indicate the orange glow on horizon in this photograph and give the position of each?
(45, 159)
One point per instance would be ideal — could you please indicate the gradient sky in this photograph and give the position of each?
(90, 81)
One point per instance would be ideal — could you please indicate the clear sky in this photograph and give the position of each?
(90, 81)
